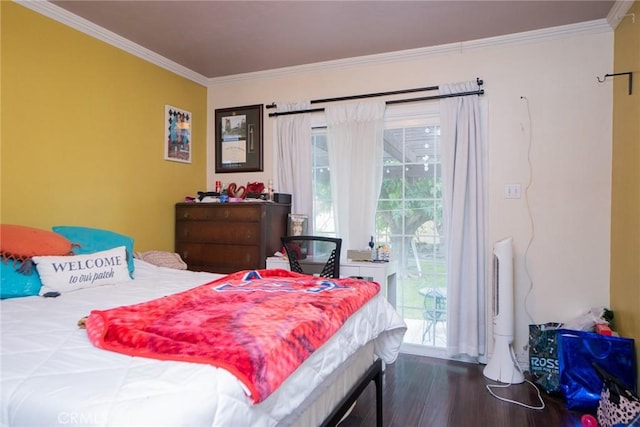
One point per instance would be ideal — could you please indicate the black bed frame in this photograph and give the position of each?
(374, 373)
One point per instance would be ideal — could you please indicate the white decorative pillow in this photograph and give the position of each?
(69, 273)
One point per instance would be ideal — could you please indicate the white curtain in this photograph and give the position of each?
(355, 148)
(293, 158)
(462, 142)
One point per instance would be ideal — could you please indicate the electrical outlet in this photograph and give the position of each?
(512, 191)
(523, 361)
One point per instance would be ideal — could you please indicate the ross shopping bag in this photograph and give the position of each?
(544, 366)
(580, 384)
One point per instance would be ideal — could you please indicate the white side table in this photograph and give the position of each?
(382, 272)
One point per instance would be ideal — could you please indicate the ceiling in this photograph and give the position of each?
(222, 38)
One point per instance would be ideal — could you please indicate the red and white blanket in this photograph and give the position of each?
(259, 325)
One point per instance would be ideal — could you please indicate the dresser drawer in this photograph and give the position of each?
(220, 258)
(218, 232)
(228, 237)
(219, 212)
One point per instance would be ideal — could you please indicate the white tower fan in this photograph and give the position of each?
(502, 367)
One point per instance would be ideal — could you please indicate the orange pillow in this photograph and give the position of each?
(21, 243)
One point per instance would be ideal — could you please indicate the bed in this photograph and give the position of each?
(51, 374)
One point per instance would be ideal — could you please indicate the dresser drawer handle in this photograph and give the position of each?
(185, 255)
(186, 215)
(249, 234)
(226, 213)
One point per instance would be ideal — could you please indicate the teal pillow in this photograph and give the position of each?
(14, 284)
(90, 240)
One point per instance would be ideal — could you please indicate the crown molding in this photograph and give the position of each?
(618, 12)
(535, 36)
(65, 17)
(61, 15)
(545, 34)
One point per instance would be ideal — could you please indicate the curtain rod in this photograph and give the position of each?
(480, 91)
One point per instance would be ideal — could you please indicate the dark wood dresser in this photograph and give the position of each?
(228, 237)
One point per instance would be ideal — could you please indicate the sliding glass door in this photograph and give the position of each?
(408, 219)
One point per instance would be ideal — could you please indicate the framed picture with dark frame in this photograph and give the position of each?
(238, 139)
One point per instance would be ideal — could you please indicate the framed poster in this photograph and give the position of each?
(238, 139)
(177, 134)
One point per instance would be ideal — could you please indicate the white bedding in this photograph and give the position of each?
(51, 374)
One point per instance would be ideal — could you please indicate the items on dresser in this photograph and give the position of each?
(224, 238)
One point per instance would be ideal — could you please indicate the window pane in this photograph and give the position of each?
(323, 222)
(392, 178)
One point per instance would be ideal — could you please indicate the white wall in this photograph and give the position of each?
(570, 152)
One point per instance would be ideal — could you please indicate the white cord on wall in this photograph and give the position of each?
(526, 198)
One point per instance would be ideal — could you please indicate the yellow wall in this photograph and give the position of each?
(82, 136)
(625, 194)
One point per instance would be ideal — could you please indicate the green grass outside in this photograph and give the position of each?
(409, 300)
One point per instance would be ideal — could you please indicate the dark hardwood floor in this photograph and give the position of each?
(422, 391)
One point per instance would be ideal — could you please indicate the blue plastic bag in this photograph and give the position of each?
(580, 384)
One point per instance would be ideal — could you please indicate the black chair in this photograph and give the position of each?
(321, 255)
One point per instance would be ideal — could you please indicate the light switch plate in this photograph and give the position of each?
(512, 191)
